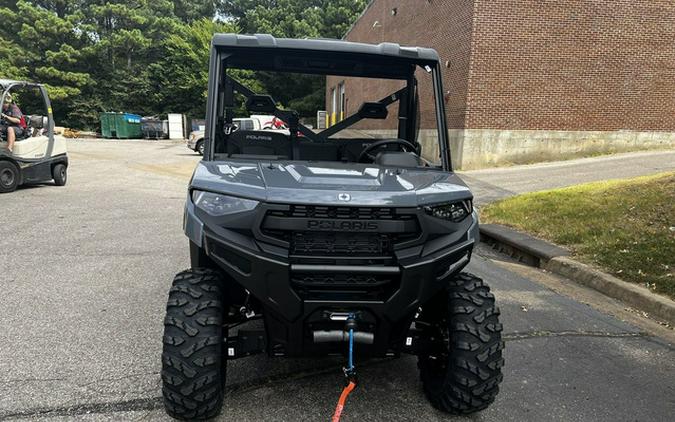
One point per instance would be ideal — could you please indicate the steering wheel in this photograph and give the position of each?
(367, 151)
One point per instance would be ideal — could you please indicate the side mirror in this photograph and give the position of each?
(373, 111)
(261, 104)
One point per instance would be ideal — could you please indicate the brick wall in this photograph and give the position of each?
(442, 24)
(596, 65)
(599, 65)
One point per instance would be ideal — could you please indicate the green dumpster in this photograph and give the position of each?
(106, 124)
(128, 126)
(121, 125)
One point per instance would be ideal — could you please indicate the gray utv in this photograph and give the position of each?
(303, 240)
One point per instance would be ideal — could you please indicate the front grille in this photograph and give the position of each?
(339, 235)
(340, 244)
(341, 213)
(290, 224)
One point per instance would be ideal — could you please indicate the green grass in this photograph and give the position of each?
(625, 227)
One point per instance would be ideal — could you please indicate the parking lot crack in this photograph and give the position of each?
(515, 336)
(154, 403)
(26, 380)
(118, 378)
(151, 403)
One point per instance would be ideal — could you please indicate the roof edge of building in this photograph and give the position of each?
(363, 12)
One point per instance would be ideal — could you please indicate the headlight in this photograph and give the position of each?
(219, 205)
(456, 211)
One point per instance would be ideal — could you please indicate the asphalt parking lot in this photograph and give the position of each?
(85, 270)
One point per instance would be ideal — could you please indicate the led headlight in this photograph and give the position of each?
(218, 205)
(455, 211)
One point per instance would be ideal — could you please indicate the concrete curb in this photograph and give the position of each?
(535, 248)
(542, 254)
(632, 294)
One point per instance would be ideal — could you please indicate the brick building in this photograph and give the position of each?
(534, 80)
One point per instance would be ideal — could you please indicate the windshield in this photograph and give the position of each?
(328, 117)
(345, 95)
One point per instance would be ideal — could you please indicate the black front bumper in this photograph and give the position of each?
(271, 274)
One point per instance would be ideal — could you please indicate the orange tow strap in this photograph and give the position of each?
(341, 402)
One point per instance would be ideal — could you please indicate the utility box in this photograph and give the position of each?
(176, 126)
(321, 119)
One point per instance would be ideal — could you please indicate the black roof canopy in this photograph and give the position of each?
(322, 56)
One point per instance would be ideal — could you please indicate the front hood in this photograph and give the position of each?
(329, 183)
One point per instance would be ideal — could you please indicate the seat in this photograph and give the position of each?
(34, 124)
(259, 143)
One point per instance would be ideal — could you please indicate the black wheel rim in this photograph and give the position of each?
(437, 359)
(7, 177)
(63, 174)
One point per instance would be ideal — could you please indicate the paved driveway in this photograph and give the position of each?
(492, 184)
(84, 275)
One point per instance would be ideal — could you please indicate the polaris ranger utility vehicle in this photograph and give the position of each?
(357, 233)
(38, 156)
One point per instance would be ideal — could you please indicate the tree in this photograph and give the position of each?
(179, 79)
(9, 66)
(151, 56)
(295, 19)
(192, 10)
(339, 15)
(43, 46)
